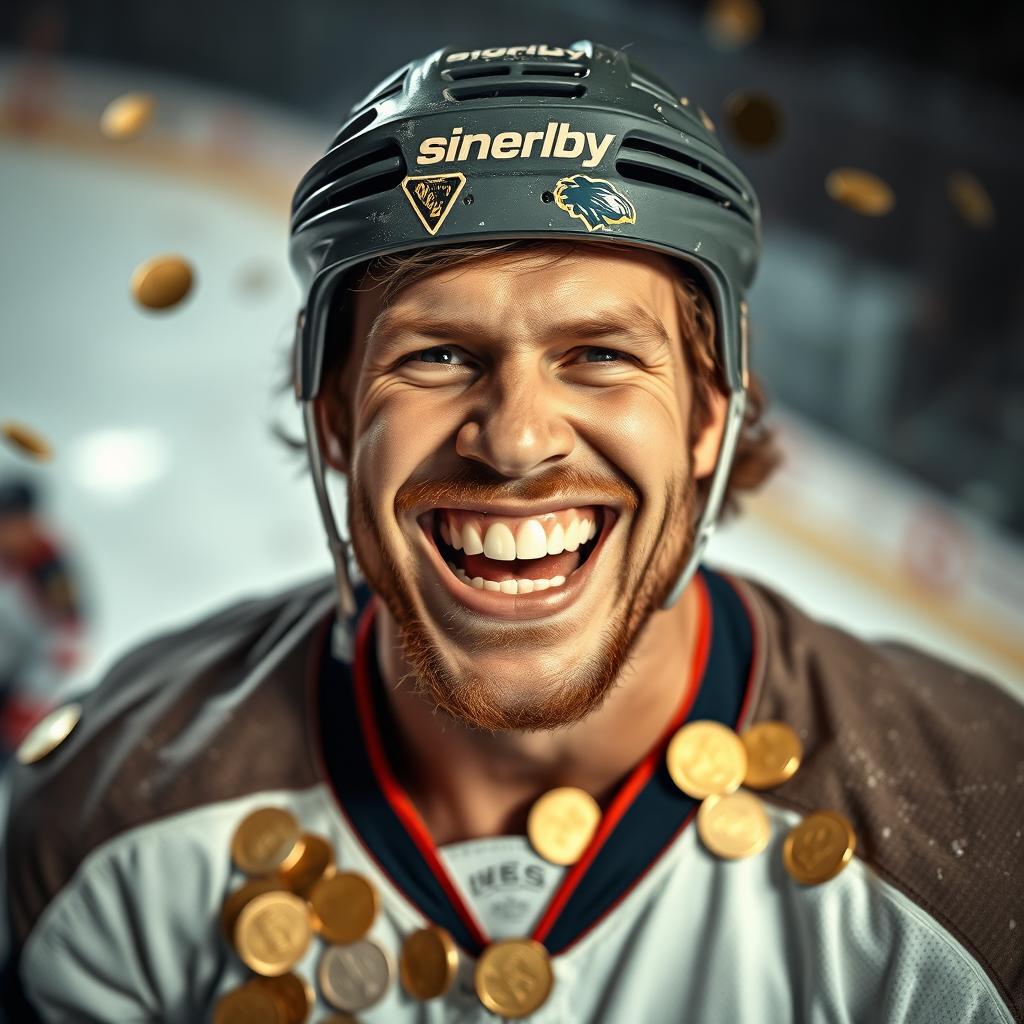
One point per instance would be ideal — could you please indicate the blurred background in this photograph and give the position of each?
(886, 146)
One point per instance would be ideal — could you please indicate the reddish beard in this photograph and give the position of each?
(583, 684)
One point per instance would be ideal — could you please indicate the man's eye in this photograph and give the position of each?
(439, 355)
(604, 355)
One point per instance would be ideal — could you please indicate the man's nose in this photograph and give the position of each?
(519, 424)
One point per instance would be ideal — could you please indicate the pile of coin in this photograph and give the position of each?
(709, 762)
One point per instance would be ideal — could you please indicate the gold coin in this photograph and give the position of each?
(247, 1005)
(754, 119)
(970, 199)
(162, 282)
(47, 735)
(344, 906)
(862, 191)
(125, 117)
(27, 441)
(733, 826)
(513, 977)
(268, 840)
(733, 23)
(273, 932)
(295, 997)
(428, 963)
(315, 859)
(705, 120)
(774, 753)
(561, 824)
(236, 902)
(819, 847)
(705, 758)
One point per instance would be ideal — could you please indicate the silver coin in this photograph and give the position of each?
(355, 976)
(49, 734)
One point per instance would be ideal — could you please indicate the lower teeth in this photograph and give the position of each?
(506, 586)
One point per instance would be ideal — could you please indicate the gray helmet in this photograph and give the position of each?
(535, 141)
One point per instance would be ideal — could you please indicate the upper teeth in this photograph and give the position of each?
(508, 539)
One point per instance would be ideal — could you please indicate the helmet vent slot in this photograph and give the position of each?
(386, 91)
(648, 174)
(457, 74)
(355, 126)
(639, 145)
(654, 88)
(376, 171)
(515, 87)
(563, 70)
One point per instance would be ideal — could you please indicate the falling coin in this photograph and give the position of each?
(295, 997)
(971, 200)
(819, 847)
(27, 441)
(754, 119)
(273, 932)
(344, 906)
(315, 860)
(354, 977)
(774, 752)
(733, 23)
(247, 1005)
(561, 824)
(268, 840)
(705, 120)
(733, 826)
(861, 191)
(162, 282)
(428, 962)
(47, 735)
(705, 758)
(236, 902)
(513, 977)
(125, 117)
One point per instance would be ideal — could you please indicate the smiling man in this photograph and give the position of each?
(524, 757)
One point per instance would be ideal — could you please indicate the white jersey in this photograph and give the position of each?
(120, 839)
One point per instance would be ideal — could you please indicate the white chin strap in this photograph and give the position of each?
(341, 553)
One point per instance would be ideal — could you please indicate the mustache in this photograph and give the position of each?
(474, 482)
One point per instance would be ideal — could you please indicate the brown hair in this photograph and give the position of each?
(756, 453)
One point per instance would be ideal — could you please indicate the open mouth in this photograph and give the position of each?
(517, 555)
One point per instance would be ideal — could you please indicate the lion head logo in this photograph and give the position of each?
(595, 201)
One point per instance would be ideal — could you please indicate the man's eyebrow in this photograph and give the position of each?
(630, 320)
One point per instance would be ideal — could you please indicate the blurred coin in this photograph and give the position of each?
(47, 735)
(295, 997)
(862, 191)
(970, 199)
(819, 847)
(162, 282)
(27, 441)
(268, 839)
(125, 117)
(705, 758)
(428, 962)
(733, 826)
(561, 824)
(705, 120)
(344, 906)
(513, 977)
(315, 860)
(355, 976)
(235, 903)
(733, 23)
(774, 752)
(273, 932)
(247, 1005)
(754, 119)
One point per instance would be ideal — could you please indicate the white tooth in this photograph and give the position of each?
(477, 582)
(456, 541)
(541, 584)
(461, 573)
(509, 587)
(499, 543)
(492, 585)
(557, 581)
(572, 536)
(471, 541)
(531, 540)
(450, 566)
(556, 540)
(445, 535)
(585, 531)
(526, 586)
(593, 530)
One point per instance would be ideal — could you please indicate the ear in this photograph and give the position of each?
(331, 428)
(705, 451)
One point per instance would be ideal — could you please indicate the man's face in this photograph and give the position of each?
(537, 408)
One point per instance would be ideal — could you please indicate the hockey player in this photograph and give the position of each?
(523, 757)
